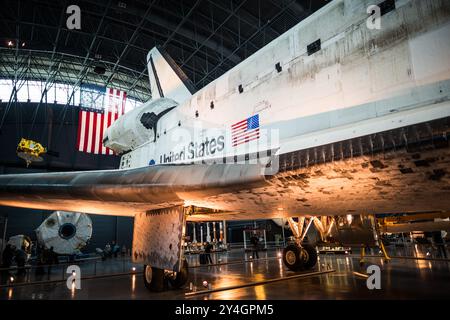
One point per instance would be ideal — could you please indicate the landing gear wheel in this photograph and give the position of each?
(153, 278)
(292, 258)
(180, 278)
(299, 258)
(309, 254)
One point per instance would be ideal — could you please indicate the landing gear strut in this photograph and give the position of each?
(298, 256)
(179, 279)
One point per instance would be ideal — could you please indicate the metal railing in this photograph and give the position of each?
(89, 268)
(269, 245)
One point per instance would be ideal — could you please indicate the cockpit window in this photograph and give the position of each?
(149, 120)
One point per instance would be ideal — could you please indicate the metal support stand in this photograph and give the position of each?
(265, 240)
(201, 234)
(208, 233)
(225, 232)
(194, 240)
(377, 236)
(363, 254)
(386, 256)
(245, 242)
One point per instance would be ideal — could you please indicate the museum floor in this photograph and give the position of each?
(400, 279)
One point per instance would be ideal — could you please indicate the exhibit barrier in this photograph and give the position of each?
(89, 268)
(268, 244)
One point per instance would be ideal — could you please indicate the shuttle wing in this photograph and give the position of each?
(125, 192)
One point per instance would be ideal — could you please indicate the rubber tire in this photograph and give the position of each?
(157, 282)
(312, 257)
(181, 277)
(297, 264)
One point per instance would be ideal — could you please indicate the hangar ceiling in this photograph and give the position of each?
(205, 37)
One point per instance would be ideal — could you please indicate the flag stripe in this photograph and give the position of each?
(255, 133)
(234, 126)
(246, 141)
(250, 132)
(105, 126)
(110, 121)
(97, 133)
(100, 146)
(94, 132)
(80, 131)
(243, 129)
(91, 129)
(86, 129)
(242, 133)
(83, 130)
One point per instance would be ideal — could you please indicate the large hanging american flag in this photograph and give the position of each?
(98, 112)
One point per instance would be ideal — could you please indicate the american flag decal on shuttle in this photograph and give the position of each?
(245, 131)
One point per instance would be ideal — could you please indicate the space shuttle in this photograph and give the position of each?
(343, 117)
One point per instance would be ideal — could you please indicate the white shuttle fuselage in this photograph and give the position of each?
(361, 81)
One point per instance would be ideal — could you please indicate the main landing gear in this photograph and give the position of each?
(157, 280)
(298, 256)
(158, 244)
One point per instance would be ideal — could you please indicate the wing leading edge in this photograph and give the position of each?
(125, 192)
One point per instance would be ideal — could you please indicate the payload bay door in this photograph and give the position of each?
(158, 238)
